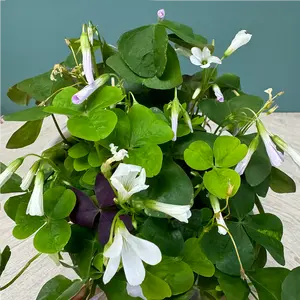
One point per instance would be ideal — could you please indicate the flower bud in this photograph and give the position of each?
(196, 93)
(10, 170)
(161, 14)
(240, 39)
(28, 178)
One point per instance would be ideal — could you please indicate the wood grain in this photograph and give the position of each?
(286, 206)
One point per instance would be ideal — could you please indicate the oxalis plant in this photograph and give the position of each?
(153, 191)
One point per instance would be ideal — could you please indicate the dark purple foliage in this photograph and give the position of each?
(85, 211)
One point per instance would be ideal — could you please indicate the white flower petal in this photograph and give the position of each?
(197, 53)
(221, 221)
(294, 155)
(135, 291)
(214, 60)
(147, 251)
(240, 39)
(195, 61)
(35, 205)
(179, 212)
(205, 53)
(242, 165)
(116, 247)
(205, 66)
(125, 169)
(111, 269)
(133, 265)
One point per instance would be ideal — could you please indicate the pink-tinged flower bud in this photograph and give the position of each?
(161, 13)
(86, 55)
(88, 90)
(275, 156)
(218, 93)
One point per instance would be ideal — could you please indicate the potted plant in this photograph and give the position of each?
(153, 189)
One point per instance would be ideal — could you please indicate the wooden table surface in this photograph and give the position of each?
(286, 206)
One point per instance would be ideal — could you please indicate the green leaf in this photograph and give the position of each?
(147, 128)
(196, 259)
(18, 96)
(177, 274)
(83, 258)
(25, 135)
(104, 97)
(266, 230)
(41, 87)
(98, 262)
(229, 80)
(62, 103)
(155, 288)
(119, 66)
(11, 206)
(89, 177)
(171, 77)
(13, 183)
(52, 237)
(81, 164)
(59, 288)
(4, 258)
(199, 156)
(281, 182)
(290, 285)
(116, 288)
(184, 142)
(242, 202)
(26, 225)
(30, 114)
(79, 150)
(96, 159)
(122, 133)
(217, 182)
(59, 202)
(259, 166)
(234, 288)
(97, 125)
(220, 250)
(144, 50)
(161, 233)
(148, 156)
(171, 186)
(185, 32)
(228, 151)
(268, 282)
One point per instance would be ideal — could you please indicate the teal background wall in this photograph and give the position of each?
(33, 33)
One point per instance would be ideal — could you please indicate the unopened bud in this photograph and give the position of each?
(230, 189)
(236, 93)
(196, 93)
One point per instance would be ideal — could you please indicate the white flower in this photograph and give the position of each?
(127, 181)
(218, 214)
(218, 93)
(242, 165)
(240, 39)
(179, 212)
(135, 291)
(203, 58)
(10, 170)
(36, 205)
(117, 155)
(288, 149)
(133, 251)
(27, 179)
(175, 110)
(275, 156)
(90, 32)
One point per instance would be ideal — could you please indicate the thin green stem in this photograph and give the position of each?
(242, 271)
(259, 205)
(58, 129)
(21, 272)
